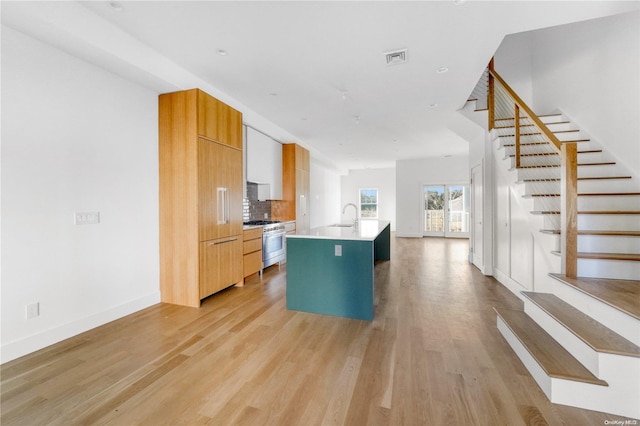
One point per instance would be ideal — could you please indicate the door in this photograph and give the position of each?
(433, 217)
(219, 190)
(446, 211)
(477, 229)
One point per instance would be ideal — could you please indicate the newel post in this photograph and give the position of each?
(569, 209)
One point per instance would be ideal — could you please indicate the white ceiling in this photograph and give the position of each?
(304, 70)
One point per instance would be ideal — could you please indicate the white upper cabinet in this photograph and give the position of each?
(264, 163)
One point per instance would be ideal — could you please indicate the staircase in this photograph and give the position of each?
(578, 337)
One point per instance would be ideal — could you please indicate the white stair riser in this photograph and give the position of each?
(605, 185)
(554, 172)
(532, 160)
(619, 222)
(575, 346)
(608, 244)
(590, 203)
(614, 269)
(620, 397)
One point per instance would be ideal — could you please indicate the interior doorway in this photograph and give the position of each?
(477, 251)
(445, 211)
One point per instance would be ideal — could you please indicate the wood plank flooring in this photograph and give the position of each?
(432, 356)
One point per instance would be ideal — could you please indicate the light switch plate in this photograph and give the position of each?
(87, 218)
(338, 250)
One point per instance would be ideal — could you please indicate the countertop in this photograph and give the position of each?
(367, 230)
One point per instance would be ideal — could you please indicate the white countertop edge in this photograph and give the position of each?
(366, 231)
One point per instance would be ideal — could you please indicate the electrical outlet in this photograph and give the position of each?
(33, 310)
(337, 249)
(87, 218)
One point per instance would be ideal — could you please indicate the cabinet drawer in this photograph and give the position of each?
(253, 233)
(220, 264)
(252, 245)
(252, 263)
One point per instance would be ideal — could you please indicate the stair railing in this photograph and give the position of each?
(536, 147)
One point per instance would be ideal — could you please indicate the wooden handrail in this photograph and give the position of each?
(552, 138)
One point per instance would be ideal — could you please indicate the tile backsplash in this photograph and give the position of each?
(252, 209)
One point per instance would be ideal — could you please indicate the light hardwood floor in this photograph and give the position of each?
(432, 356)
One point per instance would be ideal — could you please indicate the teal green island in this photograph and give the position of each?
(330, 269)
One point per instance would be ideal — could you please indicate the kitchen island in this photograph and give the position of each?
(330, 269)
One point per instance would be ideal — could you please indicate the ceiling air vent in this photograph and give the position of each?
(396, 57)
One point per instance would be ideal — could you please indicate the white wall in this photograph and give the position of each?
(512, 61)
(411, 175)
(75, 138)
(325, 195)
(588, 70)
(384, 180)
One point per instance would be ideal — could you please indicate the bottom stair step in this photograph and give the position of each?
(594, 334)
(549, 354)
(620, 294)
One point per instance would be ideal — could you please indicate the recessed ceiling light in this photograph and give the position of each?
(448, 156)
(116, 6)
(442, 70)
(459, 2)
(222, 52)
(357, 119)
(433, 105)
(304, 118)
(273, 94)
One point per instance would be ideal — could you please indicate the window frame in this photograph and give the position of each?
(376, 204)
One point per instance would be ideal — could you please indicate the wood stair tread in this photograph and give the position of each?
(555, 360)
(580, 178)
(597, 232)
(587, 194)
(634, 257)
(599, 337)
(533, 124)
(620, 294)
(616, 212)
(539, 143)
(539, 154)
(525, 117)
(603, 163)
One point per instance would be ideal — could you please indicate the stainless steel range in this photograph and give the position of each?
(273, 235)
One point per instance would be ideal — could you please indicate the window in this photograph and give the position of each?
(369, 203)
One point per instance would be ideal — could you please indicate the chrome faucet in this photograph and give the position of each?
(344, 209)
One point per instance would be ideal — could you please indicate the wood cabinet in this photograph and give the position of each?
(252, 251)
(200, 158)
(295, 187)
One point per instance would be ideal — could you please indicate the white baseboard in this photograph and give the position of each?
(29, 344)
(513, 286)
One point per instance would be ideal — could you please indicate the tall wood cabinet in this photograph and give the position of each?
(200, 152)
(295, 186)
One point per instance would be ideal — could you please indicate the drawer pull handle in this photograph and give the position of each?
(222, 242)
